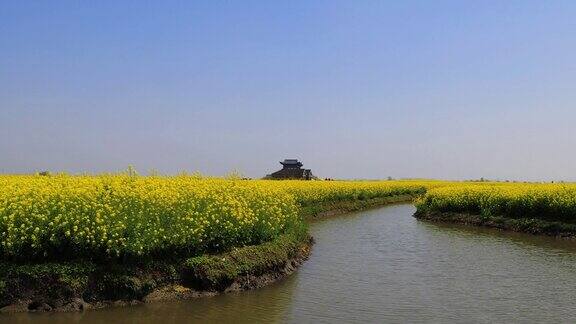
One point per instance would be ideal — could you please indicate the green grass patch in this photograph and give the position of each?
(56, 284)
(216, 272)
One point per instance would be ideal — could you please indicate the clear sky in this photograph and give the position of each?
(355, 89)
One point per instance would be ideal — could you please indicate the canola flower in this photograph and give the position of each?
(309, 193)
(122, 215)
(553, 202)
(127, 215)
(111, 216)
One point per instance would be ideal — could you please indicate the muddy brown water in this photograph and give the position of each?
(381, 266)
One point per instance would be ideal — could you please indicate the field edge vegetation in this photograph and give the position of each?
(525, 225)
(540, 209)
(81, 285)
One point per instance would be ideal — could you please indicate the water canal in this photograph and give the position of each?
(383, 265)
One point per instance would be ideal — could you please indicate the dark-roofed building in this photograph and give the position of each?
(292, 169)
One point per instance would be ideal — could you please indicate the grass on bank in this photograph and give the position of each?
(57, 283)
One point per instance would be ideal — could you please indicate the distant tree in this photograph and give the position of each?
(44, 173)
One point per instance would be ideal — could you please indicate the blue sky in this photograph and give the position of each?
(355, 89)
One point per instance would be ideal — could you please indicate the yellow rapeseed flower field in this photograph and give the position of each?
(127, 215)
(554, 202)
(122, 215)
